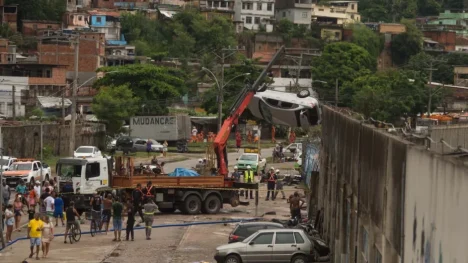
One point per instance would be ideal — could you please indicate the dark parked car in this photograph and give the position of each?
(125, 144)
(244, 230)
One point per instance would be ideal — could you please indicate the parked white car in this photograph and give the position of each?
(28, 171)
(6, 161)
(87, 151)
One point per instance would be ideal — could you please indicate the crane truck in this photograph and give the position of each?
(79, 178)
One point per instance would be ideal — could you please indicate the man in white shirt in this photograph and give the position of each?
(49, 202)
(37, 189)
(194, 131)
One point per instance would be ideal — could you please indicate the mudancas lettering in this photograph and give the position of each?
(162, 120)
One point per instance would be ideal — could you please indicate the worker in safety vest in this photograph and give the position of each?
(148, 191)
(271, 181)
(249, 178)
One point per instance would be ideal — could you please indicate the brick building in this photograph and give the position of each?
(60, 50)
(38, 27)
(7, 52)
(447, 39)
(9, 15)
(75, 20)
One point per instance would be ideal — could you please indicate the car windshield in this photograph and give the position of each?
(4, 161)
(84, 150)
(248, 157)
(69, 170)
(20, 166)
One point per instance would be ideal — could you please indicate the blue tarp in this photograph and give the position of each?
(183, 172)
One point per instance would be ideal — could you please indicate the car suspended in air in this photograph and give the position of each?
(284, 108)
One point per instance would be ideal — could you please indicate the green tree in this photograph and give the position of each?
(39, 9)
(387, 96)
(406, 44)
(114, 104)
(341, 61)
(367, 39)
(155, 87)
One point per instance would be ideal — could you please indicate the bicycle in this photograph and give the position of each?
(74, 233)
(96, 224)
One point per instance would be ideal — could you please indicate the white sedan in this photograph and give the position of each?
(87, 151)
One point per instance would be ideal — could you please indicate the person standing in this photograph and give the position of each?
(23, 191)
(292, 137)
(149, 143)
(6, 193)
(42, 204)
(236, 175)
(18, 207)
(130, 221)
(35, 227)
(273, 134)
(165, 144)
(137, 197)
(37, 189)
(271, 184)
(238, 140)
(295, 204)
(150, 208)
(49, 204)
(149, 191)
(106, 211)
(10, 221)
(279, 185)
(47, 236)
(249, 178)
(117, 209)
(96, 202)
(32, 197)
(58, 210)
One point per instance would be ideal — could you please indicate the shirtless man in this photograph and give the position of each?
(295, 204)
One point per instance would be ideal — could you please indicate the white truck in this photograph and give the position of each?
(28, 170)
(6, 162)
(161, 128)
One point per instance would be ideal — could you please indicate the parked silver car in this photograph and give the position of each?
(271, 245)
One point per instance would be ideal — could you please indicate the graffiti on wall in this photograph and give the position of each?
(424, 250)
(310, 161)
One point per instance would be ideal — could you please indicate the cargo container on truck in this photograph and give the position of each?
(161, 128)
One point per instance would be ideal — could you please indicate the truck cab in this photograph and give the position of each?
(6, 162)
(83, 175)
(27, 170)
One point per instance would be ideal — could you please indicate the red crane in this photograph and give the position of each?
(236, 111)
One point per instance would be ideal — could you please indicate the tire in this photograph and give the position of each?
(232, 259)
(211, 205)
(192, 205)
(303, 93)
(299, 259)
(76, 234)
(167, 210)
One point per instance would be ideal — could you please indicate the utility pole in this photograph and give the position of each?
(224, 55)
(73, 108)
(13, 99)
(1, 188)
(63, 106)
(431, 91)
(336, 93)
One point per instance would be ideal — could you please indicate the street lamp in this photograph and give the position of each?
(73, 113)
(220, 93)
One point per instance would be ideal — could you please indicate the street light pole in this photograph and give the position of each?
(74, 92)
(220, 95)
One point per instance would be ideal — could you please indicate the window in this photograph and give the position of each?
(270, 6)
(48, 73)
(284, 238)
(140, 142)
(299, 239)
(304, 14)
(92, 170)
(49, 26)
(257, 20)
(35, 168)
(352, 6)
(223, 4)
(263, 239)
(259, 6)
(247, 6)
(98, 19)
(284, 14)
(210, 3)
(248, 20)
(80, 18)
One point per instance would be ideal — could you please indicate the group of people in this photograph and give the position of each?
(200, 136)
(274, 184)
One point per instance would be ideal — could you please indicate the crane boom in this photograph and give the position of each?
(236, 111)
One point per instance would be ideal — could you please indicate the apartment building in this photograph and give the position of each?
(336, 12)
(107, 22)
(296, 11)
(211, 8)
(257, 14)
(39, 27)
(9, 15)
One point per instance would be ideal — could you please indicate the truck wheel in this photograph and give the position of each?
(211, 205)
(166, 210)
(191, 205)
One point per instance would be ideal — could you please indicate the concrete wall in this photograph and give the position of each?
(436, 217)
(389, 199)
(455, 135)
(360, 164)
(24, 141)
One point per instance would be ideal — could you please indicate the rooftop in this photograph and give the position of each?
(41, 22)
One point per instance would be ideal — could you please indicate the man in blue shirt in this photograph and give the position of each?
(58, 209)
(22, 190)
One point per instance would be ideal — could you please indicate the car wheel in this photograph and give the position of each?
(232, 259)
(192, 205)
(303, 93)
(299, 259)
(211, 205)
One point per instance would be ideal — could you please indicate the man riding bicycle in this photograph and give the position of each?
(96, 202)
